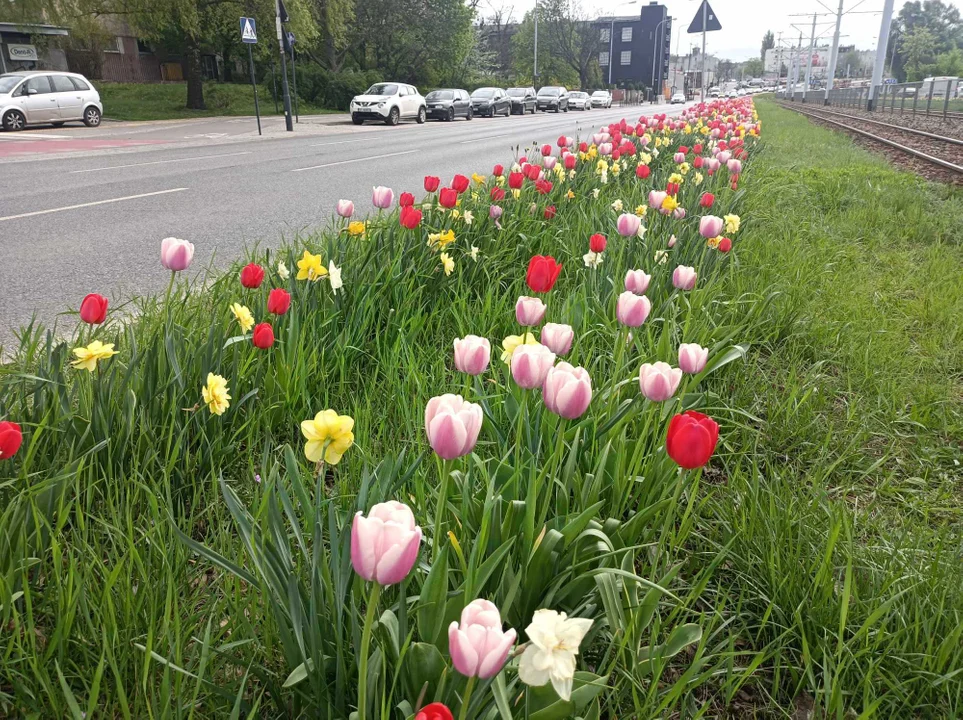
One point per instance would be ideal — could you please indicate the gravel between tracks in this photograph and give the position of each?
(951, 127)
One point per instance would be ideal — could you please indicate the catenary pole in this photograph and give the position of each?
(809, 66)
(705, 20)
(834, 55)
(880, 52)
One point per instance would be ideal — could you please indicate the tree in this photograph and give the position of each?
(571, 36)
(753, 68)
(552, 70)
(768, 41)
(916, 47)
(942, 19)
(851, 61)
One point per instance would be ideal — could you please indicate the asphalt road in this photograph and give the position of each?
(84, 210)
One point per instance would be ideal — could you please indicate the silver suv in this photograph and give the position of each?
(38, 97)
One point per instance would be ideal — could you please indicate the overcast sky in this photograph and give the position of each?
(744, 22)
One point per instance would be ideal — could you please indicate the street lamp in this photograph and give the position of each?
(659, 46)
(535, 65)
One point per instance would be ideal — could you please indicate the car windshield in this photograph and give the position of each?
(382, 89)
(9, 82)
(576, 95)
(440, 95)
(483, 93)
(548, 91)
(517, 92)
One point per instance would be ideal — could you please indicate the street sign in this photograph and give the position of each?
(705, 20)
(248, 30)
(291, 39)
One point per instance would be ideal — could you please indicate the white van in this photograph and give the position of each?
(939, 86)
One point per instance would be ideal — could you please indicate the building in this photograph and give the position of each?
(636, 48)
(851, 62)
(685, 72)
(31, 46)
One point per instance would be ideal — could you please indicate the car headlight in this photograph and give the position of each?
(381, 104)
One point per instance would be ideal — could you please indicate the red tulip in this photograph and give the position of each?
(435, 711)
(546, 150)
(569, 162)
(725, 245)
(532, 171)
(497, 194)
(597, 243)
(447, 197)
(583, 146)
(498, 171)
(460, 183)
(10, 439)
(683, 149)
(93, 309)
(263, 336)
(549, 212)
(410, 217)
(279, 301)
(672, 188)
(252, 276)
(406, 199)
(515, 180)
(698, 162)
(543, 271)
(691, 439)
(544, 186)
(697, 148)
(431, 183)
(643, 171)
(707, 199)
(616, 154)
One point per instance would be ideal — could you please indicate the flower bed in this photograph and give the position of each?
(530, 499)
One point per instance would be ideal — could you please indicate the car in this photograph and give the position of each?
(389, 102)
(552, 97)
(523, 99)
(602, 99)
(491, 101)
(579, 101)
(714, 92)
(678, 98)
(38, 98)
(448, 103)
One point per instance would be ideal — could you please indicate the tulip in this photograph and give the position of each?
(679, 158)
(725, 245)
(678, 214)
(382, 197)
(530, 364)
(712, 165)
(496, 194)
(460, 183)
(691, 439)
(448, 197)
(384, 545)
(452, 425)
(637, 282)
(498, 171)
(478, 645)
(263, 336)
(710, 226)
(431, 183)
(549, 162)
(643, 171)
(515, 180)
(567, 390)
(406, 199)
(706, 200)
(597, 243)
(409, 217)
(672, 241)
(176, 255)
(529, 311)
(698, 162)
(734, 166)
(632, 309)
(628, 224)
(252, 275)
(605, 149)
(659, 381)
(723, 157)
(93, 309)
(279, 301)
(569, 162)
(684, 277)
(656, 198)
(549, 212)
(345, 208)
(11, 438)
(692, 358)
(435, 711)
(472, 354)
(543, 271)
(565, 141)
(494, 212)
(546, 150)
(558, 337)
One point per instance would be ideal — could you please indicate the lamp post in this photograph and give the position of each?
(535, 65)
(659, 46)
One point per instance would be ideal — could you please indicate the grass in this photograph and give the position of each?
(812, 566)
(166, 101)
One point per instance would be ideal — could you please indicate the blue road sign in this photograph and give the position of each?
(248, 30)
(705, 20)
(291, 39)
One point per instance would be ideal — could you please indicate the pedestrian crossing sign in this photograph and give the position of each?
(248, 30)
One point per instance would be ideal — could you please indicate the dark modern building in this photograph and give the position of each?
(635, 49)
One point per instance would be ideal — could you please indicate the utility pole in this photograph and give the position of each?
(880, 52)
(809, 67)
(834, 55)
(535, 65)
(288, 124)
(705, 21)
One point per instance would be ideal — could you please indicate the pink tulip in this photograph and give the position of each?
(628, 225)
(599, 138)
(656, 197)
(452, 425)
(710, 226)
(712, 165)
(529, 311)
(384, 545)
(692, 358)
(605, 148)
(734, 166)
(382, 197)
(636, 281)
(494, 212)
(558, 337)
(632, 309)
(472, 354)
(679, 213)
(679, 158)
(530, 365)
(478, 645)
(176, 255)
(345, 208)
(684, 277)
(723, 157)
(549, 162)
(567, 390)
(672, 241)
(659, 381)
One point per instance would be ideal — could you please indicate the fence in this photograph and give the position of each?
(936, 98)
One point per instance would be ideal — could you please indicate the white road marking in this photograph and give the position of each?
(159, 162)
(90, 204)
(340, 142)
(352, 160)
(36, 136)
(487, 137)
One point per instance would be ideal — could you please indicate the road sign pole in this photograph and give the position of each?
(257, 109)
(274, 82)
(288, 124)
(705, 12)
(294, 73)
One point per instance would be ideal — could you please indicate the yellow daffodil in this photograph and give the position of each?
(512, 342)
(669, 203)
(447, 263)
(570, 194)
(480, 179)
(675, 178)
(440, 241)
(244, 317)
(516, 193)
(455, 213)
(328, 435)
(732, 223)
(593, 152)
(714, 242)
(87, 357)
(641, 210)
(697, 178)
(356, 227)
(500, 180)
(311, 267)
(616, 168)
(216, 394)
(684, 168)
(645, 159)
(595, 193)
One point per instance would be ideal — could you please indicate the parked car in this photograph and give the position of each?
(678, 98)
(602, 99)
(389, 102)
(447, 104)
(37, 98)
(552, 97)
(578, 100)
(491, 101)
(523, 99)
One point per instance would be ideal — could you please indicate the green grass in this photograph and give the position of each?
(166, 101)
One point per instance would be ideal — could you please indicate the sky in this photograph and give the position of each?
(744, 22)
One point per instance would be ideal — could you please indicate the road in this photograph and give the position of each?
(83, 210)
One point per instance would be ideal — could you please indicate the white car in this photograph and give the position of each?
(38, 98)
(678, 98)
(602, 99)
(579, 101)
(390, 103)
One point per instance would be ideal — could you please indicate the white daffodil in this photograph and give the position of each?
(283, 271)
(592, 259)
(467, 217)
(550, 654)
(474, 253)
(617, 206)
(595, 193)
(334, 275)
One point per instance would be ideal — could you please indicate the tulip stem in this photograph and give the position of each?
(442, 504)
(365, 644)
(466, 699)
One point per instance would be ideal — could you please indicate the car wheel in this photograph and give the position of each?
(533, 109)
(491, 113)
(357, 120)
(565, 109)
(422, 115)
(394, 115)
(451, 114)
(14, 121)
(470, 114)
(91, 117)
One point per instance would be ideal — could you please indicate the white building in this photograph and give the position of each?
(784, 58)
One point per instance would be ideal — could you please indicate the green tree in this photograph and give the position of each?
(768, 41)
(552, 69)
(753, 68)
(571, 37)
(916, 47)
(942, 19)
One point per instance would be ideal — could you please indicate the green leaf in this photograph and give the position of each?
(299, 673)
(433, 599)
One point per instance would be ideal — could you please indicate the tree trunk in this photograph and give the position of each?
(195, 80)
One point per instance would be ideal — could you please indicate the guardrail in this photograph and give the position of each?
(937, 98)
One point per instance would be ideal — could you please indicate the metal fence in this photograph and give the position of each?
(937, 98)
